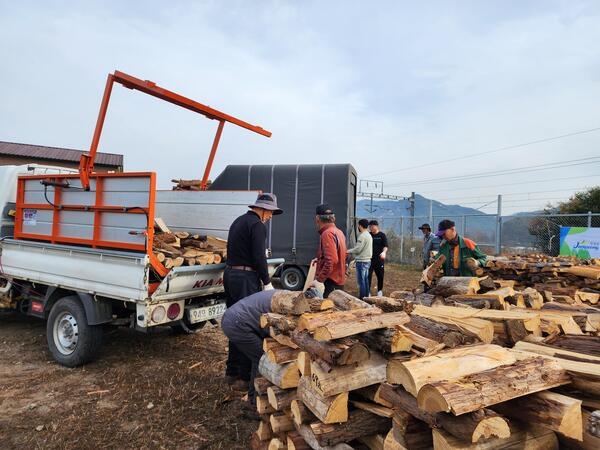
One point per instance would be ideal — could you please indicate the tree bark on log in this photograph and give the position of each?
(479, 301)
(261, 385)
(550, 410)
(280, 399)
(388, 304)
(494, 386)
(278, 353)
(281, 422)
(308, 435)
(346, 302)
(349, 378)
(469, 427)
(447, 365)
(449, 335)
(312, 321)
(281, 323)
(447, 286)
(350, 327)
(360, 423)
(296, 442)
(284, 376)
(289, 302)
(333, 409)
(530, 438)
(401, 339)
(341, 352)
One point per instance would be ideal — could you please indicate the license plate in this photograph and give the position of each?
(207, 313)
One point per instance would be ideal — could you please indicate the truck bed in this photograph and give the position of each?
(108, 273)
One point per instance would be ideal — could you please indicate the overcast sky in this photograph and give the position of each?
(386, 86)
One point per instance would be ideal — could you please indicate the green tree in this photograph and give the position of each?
(546, 229)
(581, 202)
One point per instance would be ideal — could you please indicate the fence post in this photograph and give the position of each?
(431, 212)
(402, 239)
(589, 219)
(499, 226)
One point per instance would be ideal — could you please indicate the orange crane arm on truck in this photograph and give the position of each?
(86, 163)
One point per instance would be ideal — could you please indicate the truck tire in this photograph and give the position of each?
(184, 327)
(71, 340)
(292, 278)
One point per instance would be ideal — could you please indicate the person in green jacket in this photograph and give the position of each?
(463, 256)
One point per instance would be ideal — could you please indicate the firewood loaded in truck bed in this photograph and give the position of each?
(79, 251)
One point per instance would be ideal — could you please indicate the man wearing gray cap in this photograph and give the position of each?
(247, 272)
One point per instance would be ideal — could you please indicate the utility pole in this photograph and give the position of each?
(411, 208)
(374, 189)
(499, 226)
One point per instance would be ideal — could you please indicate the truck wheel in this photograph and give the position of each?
(292, 278)
(71, 340)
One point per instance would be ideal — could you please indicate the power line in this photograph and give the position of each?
(553, 180)
(484, 197)
(472, 155)
(534, 168)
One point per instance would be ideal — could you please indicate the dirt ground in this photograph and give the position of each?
(155, 391)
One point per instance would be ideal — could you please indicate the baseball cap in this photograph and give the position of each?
(443, 226)
(324, 209)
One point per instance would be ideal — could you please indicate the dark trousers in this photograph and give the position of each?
(331, 286)
(250, 346)
(239, 284)
(377, 266)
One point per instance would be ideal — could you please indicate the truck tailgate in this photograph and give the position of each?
(195, 281)
(108, 273)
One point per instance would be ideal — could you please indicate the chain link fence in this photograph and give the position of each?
(518, 234)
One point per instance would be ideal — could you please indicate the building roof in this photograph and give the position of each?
(57, 153)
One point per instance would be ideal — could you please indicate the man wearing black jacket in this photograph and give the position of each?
(380, 248)
(247, 272)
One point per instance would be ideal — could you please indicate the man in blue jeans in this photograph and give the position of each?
(362, 253)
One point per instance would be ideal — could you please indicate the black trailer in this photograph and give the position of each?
(299, 189)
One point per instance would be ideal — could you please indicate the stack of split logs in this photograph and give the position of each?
(187, 185)
(453, 368)
(567, 278)
(174, 249)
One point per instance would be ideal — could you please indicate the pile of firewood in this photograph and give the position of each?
(174, 249)
(188, 185)
(561, 275)
(470, 364)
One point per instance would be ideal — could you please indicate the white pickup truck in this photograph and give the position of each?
(79, 288)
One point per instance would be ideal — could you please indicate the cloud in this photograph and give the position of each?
(383, 86)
